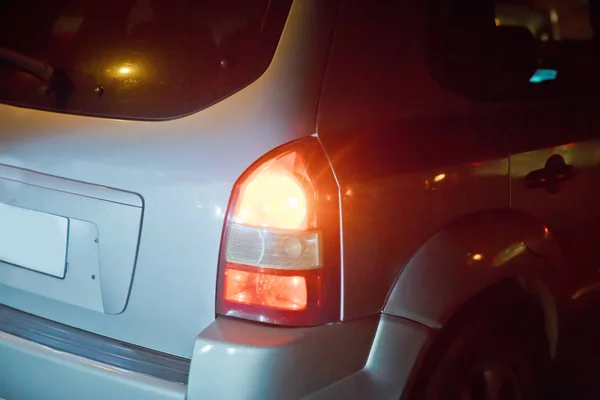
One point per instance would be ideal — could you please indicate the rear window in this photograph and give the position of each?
(138, 59)
(567, 45)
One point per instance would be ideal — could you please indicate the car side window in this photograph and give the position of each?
(548, 20)
(556, 42)
(564, 32)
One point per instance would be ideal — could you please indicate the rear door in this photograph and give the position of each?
(555, 176)
(555, 160)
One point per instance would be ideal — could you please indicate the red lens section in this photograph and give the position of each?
(264, 289)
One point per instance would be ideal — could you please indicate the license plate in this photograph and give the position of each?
(33, 240)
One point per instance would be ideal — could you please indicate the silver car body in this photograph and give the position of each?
(134, 317)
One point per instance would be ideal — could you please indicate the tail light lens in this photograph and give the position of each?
(280, 253)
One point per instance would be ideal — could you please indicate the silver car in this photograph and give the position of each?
(284, 199)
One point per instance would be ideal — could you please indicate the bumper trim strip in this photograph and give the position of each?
(95, 347)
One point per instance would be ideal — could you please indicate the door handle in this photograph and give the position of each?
(551, 177)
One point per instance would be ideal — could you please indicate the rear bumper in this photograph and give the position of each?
(366, 358)
(29, 370)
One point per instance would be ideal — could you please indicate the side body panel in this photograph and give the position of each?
(424, 175)
(410, 157)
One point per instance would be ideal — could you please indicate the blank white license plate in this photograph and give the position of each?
(33, 240)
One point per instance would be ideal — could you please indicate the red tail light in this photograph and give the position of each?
(280, 253)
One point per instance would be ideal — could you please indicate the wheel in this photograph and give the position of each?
(493, 360)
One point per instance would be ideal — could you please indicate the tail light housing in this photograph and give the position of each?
(280, 251)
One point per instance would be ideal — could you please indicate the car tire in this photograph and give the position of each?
(498, 360)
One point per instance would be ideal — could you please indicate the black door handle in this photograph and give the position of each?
(551, 177)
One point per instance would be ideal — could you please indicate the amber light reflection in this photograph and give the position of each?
(273, 197)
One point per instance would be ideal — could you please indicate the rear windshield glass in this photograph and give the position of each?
(139, 59)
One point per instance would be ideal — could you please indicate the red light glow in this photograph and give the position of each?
(268, 290)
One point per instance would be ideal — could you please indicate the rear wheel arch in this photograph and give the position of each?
(513, 296)
(478, 256)
(510, 300)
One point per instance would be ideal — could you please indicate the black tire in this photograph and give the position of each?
(505, 356)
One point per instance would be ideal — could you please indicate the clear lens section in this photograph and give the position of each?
(270, 248)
